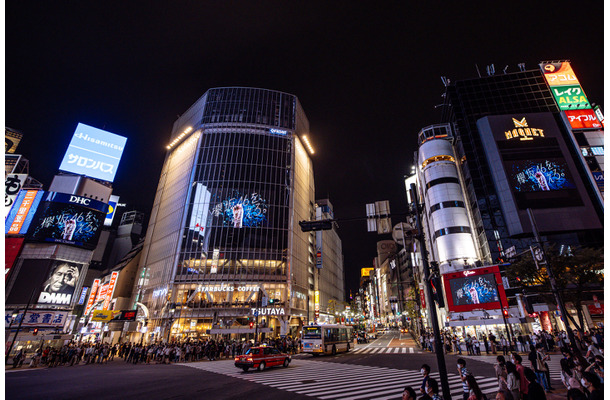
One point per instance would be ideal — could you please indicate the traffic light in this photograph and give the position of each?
(271, 301)
(437, 290)
(251, 324)
(35, 332)
(505, 312)
(320, 225)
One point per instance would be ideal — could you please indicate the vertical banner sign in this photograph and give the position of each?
(83, 295)
(422, 297)
(317, 304)
(96, 284)
(22, 212)
(112, 203)
(12, 185)
(110, 290)
(565, 86)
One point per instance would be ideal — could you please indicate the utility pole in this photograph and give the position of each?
(554, 289)
(438, 346)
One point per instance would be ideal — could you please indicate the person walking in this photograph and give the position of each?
(538, 367)
(534, 389)
(425, 372)
(513, 383)
(463, 373)
(432, 389)
(501, 373)
(475, 392)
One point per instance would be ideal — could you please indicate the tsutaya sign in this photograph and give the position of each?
(268, 311)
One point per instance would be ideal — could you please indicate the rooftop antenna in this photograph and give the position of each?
(505, 69)
(446, 81)
(478, 72)
(521, 67)
(491, 70)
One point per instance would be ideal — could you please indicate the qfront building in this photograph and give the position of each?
(224, 253)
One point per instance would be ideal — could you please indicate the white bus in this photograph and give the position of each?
(326, 339)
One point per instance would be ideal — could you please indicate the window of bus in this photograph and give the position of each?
(312, 332)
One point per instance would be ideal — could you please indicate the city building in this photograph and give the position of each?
(224, 253)
(510, 145)
(329, 274)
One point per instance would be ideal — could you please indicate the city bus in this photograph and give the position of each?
(326, 339)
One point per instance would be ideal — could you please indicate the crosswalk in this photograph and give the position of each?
(330, 381)
(385, 350)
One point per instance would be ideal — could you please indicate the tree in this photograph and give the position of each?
(576, 272)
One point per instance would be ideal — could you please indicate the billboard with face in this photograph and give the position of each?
(61, 283)
(93, 152)
(69, 219)
(475, 289)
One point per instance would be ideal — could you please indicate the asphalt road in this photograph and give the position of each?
(370, 371)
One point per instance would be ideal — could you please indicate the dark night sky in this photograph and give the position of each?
(367, 77)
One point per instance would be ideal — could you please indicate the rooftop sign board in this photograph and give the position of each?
(93, 152)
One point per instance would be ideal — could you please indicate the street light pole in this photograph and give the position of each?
(549, 271)
(27, 307)
(438, 348)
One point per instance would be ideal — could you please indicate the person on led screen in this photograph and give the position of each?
(238, 215)
(540, 175)
(475, 290)
(63, 280)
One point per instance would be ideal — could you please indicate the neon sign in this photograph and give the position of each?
(523, 131)
(278, 131)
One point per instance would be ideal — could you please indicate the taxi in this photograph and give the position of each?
(261, 358)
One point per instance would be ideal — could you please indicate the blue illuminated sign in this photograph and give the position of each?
(278, 131)
(94, 153)
(83, 295)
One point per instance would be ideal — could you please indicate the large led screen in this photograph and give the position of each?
(475, 289)
(68, 219)
(242, 210)
(60, 285)
(93, 152)
(540, 175)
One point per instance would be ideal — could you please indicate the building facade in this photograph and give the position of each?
(223, 249)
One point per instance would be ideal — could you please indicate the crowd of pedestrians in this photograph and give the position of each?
(75, 353)
(519, 342)
(582, 369)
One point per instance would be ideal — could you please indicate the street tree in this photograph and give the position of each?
(576, 272)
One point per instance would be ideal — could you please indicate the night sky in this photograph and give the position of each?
(367, 77)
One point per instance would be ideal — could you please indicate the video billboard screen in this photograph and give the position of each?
(475, 289)
(68, 219)
(93, 152)
(61, 283)
(242, 210)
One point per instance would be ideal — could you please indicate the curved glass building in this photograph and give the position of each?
(223, 247)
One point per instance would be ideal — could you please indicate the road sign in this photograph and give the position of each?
(321, 225)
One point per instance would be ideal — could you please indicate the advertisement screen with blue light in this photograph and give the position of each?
(93, 152)
(241, 210)
(68, 219)
(540, 175)
(478, 289)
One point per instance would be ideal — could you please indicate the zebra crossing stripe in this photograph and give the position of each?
(339, 381)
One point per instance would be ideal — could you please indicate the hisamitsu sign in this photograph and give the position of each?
(94, 153)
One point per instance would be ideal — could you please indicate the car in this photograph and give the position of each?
(261, 358)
